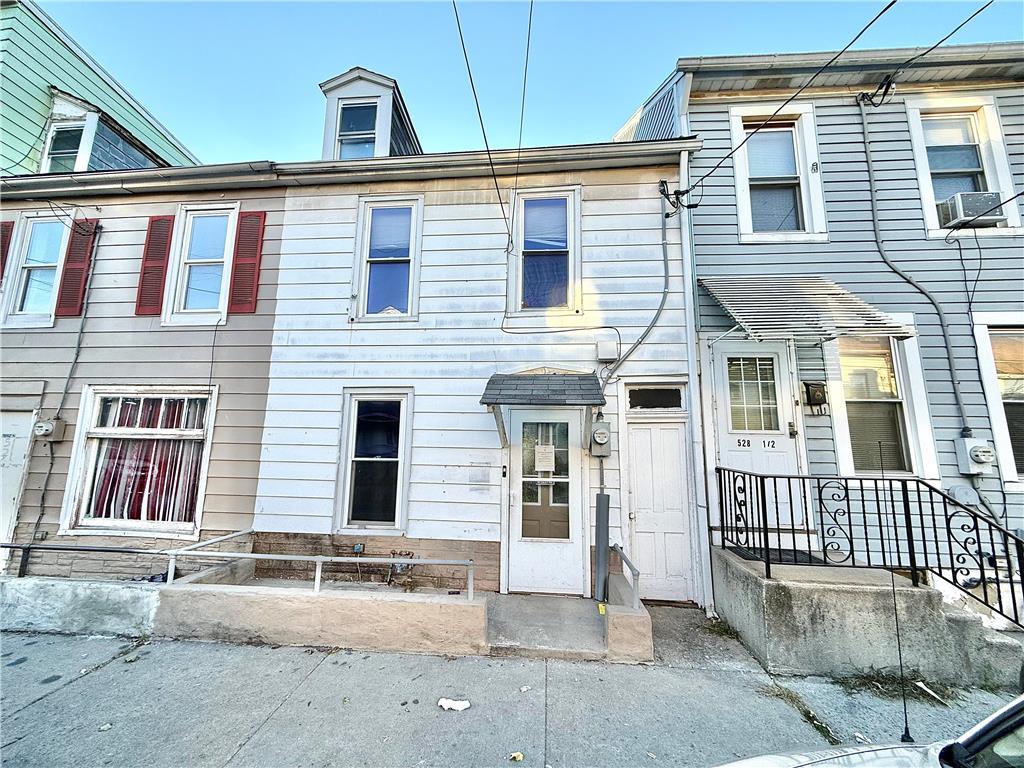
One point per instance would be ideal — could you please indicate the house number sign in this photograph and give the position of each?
(545, 458)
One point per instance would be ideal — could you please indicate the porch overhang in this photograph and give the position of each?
(801, 308)
(542, 390)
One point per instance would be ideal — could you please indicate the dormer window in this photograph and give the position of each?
(62, 154)
(356, 130)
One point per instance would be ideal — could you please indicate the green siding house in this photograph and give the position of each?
(61, 112)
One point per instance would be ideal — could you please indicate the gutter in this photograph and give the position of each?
(269, 174)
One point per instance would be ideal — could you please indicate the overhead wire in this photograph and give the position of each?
(522, 115)
(788, 101)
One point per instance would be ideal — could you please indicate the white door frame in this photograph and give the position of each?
(511, 491)
(7, 535)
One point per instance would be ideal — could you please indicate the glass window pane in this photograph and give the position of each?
(775, 208)
(61, 164)
(947, 130)
(947, 185)
(954, 158)
(561, 435)
(358, 118)
(390, 229)
(530, 494)
(656, 398)
(868, 370)
(108, 411)
(208, 238)
(545, 280)
(560, 493)
(202, 288)
(44, 243)
(1014, 410)
(388, 288)
(66, 140)
(37, 297)
(1008, 351)
(378, 425)
(174, 409)
(356, 149)
(876, 437)
(738, 418)
(374, 491)
(545, 224)
(771, 153)
(755, 418)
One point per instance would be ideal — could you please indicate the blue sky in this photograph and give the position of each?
(238, 81)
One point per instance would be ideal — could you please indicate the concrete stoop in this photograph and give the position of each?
(840, 622)
(211, 606)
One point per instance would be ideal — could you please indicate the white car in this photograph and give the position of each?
(995, 742)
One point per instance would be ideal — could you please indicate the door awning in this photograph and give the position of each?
(801, 308)
(543, 389)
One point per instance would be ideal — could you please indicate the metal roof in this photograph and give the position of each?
(787, 71)
(543, 389)
(799, 307)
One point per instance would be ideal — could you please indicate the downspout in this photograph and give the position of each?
(965, 429)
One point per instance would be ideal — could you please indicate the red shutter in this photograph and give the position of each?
(245, 272)
(6, 228)
(155, 253)
(75, 272)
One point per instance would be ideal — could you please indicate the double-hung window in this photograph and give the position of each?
(376, 462)
(548, 252)
(1008, 353)
(357, 124)
(389, 248)
(201, 265)
(874, 405)
(954, 155)
(779, 195)
(141, 460)
(30, 285)
(62, 152)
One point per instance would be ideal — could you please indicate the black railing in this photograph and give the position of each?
(895, 523)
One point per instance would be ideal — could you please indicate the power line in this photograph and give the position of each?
(997, 206)
(480, 115)
(522, 115)
(800, 90)
(889, 81)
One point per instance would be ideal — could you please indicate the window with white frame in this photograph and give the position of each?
(389, 255)
(376, 461)
(548, 255)
(1008, 353)
(62, 152)
(201, 265)
(144, 461)
(959, 147)
(33, 275)
(778, 183)
(875, 411)
(357, 125)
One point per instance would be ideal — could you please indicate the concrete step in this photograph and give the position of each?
(545, 626)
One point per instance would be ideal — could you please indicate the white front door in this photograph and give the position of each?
(546, 540)
(15, 437)
(658, 503)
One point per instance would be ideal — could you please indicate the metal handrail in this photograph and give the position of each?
(634, 572)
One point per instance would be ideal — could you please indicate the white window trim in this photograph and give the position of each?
(10, 291)
(994, 159)
(983, 321)
(924, 460)
(381, 124)
(351, 396)
(88, 124)
(514, 291)
(80, 469)
(360, 266)
(172, 314)
(811, 192)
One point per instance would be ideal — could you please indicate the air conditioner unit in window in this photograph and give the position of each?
(965, 206)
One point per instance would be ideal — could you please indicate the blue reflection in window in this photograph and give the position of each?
(389, 233)
(545, 224)
(545, 280)
(388, 288)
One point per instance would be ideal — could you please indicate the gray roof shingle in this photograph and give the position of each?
(543, 389)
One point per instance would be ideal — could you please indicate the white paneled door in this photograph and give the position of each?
(546, 533)
(658, 504)
(15, 436)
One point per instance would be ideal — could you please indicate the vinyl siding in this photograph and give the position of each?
(447, 354)
(32, 59)
(119, 348)
(852, 260)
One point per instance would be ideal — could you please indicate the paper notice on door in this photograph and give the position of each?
(545, 457)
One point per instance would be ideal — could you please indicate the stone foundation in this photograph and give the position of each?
(485, 555)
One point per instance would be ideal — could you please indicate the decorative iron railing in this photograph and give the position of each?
(895, 523)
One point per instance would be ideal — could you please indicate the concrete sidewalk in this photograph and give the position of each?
(100, 701)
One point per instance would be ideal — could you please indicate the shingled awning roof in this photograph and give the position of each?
(804, 308)
(543, 389)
